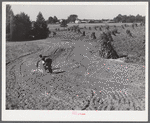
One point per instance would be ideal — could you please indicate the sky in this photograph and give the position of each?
(83, 11)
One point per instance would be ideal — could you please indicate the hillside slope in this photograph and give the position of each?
(89, 83)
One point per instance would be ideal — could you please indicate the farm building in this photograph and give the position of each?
(108, 21)
(77, 21)
(60, 20)
(84, 21)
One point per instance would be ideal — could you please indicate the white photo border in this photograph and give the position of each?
(47, 115)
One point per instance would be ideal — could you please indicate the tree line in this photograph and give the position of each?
(20, 28)
(120, 18)
(129, 19)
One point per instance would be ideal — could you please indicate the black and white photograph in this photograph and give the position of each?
(75, 61)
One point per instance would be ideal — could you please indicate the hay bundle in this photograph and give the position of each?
(114, 32)
(107, 27)
(129, 33)
(106, 50)
(49, 33)
(136, 24)
(133, 26)
(125, 25)
(54, 33)
(100, 28)
(108, 34)
(79, 31)
(122, 27)
(83, 34)
(142, 24)
(93, 35)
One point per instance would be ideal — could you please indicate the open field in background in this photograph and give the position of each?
(89, 83)
(123, 44)
(53, 26)
(15, 50)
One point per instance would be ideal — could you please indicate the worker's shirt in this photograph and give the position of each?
(47, 61)
(41, 61)
(40, 66)
(43, 58)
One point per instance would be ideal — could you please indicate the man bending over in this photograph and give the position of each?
(47, 63)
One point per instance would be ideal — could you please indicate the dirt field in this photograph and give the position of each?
(89, 81)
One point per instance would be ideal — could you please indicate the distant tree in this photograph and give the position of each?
(132, 18)
(139, 18)
(21, 27)
(40, 27)
(72, 18)
(129, 19)
(91, 21)
(50, 20)
(9, 19)
(118, 18)
(9, 14)
(64, 23)
(55, 19)
(124, 19)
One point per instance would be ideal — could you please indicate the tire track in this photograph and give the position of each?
(13, 71)
(91, 105)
